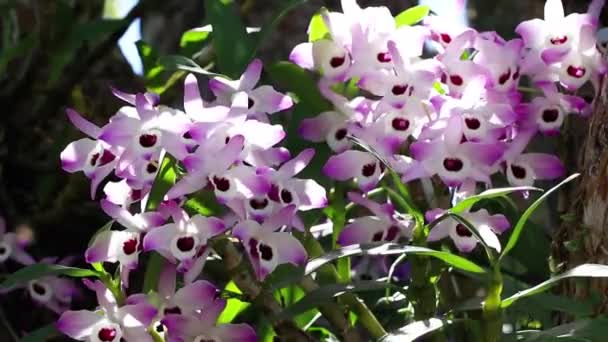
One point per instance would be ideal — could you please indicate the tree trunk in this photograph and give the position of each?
(583, 235)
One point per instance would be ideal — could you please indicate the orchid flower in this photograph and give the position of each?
(487, 225)
(266, 247)
(96, 158)
(11, 248)
(184, 242)
(122, 246)
(385, 224)
(110, 323)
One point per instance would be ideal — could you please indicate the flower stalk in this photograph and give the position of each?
(492, 312)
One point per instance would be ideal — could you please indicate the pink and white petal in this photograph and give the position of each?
(235, 332)
(196, 296)
(196, 267)
(188, 184)
(532, 31)
(554, 11)
(208, 226)
(381, 211)
(21, 256)
(246, 229)
(301, 55)
(433, 214)
(465, 244)
(193, 103)
(105, 247)
(311, 195)
(259, 133)
(288, 248)
(346, 165)
(251, 76)
(489, 237)
(414, 170)
(136, 334)
(222, 88)
(297, 164)
(167, 281)
(120, 214)
(554, 55)
(83, 124)
(498, 223)
(159, 239)
(281, 218)
(545, 166)
(441, 230)
(210, 315)
(361, 230)
(136, 315)
(76, 155)
(484, 153)
(79, 324)
(129, 98)
(316, 129)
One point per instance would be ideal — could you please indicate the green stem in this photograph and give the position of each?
(422, 291)
(114, 287)
(492, 312)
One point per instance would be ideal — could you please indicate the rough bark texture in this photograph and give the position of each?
(583, 236)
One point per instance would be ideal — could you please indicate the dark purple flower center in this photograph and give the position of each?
(391, 233)
(185, 244)
(576, 72)
(384, 57)
(265, 252)
(106, 157)
(516, 74)
(286, 196)
(336, 62)
(550, 115)
(39, 289)
(446, 38)
(258, 204)
(400, 124)
(559, 40)
(107, 334)
(368, 169)
(253, 248)
(411, 91)
(456, 80)
(222, 184)
(250, 103)
(399, 89)
(452, 164)
(341, 134)
(504, 77)
(174, 310)
(130, 246)
(147, 140)
(472, 123)
(518, 171)
(187, 135)
(461, 230)
(377, 237)
(135, 194)
(3, 250)
(151, 168)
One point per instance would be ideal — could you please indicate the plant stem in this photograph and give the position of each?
(421, 291)
(492, 312)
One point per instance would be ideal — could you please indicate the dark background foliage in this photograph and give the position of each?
(58, 53)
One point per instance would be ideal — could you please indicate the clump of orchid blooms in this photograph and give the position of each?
(456, 116)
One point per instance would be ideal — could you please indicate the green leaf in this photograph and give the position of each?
(233, 46)
(580, 330)
(42, 334)
(468, 202)
(158, 77)
(586, 270)
(194, 40)
(176, 62)
(325, 293)
(390, 249)
(165, 178)
(301, 83)
(317, 29)
(233, 305)
(43, 270)
(21, 48)
(412, 15)
(415, 330)
(526, 215)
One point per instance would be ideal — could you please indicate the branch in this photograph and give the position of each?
(243, 277)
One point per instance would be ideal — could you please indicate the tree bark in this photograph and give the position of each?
(583, 235)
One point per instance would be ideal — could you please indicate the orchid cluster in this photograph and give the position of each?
(435, 102)
(457, 113)
(227, 147)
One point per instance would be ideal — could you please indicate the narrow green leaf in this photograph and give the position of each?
(413, 331)
(325, 293)
(586, 270)
(42, 334)
(43, 270)
(192, 41)
(589, 329)
(412, 15)
(162, 183)
(21, 48)
(176, 62)
(526, 215)
(468, 202)
(233, 305)
(391, 249)
(317, 29)
(233, 46)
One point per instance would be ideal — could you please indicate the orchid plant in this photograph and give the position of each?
(416, 125)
